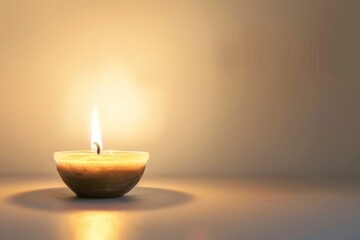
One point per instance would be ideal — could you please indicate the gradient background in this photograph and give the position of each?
(216, 87)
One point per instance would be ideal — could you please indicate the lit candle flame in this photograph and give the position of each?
(96, 135)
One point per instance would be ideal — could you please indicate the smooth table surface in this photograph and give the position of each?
(182, 208)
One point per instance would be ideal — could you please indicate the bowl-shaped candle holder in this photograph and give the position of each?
(106, 175)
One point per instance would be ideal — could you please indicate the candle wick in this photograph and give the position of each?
(97, 148)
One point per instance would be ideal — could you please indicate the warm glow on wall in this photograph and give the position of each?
(125, 106)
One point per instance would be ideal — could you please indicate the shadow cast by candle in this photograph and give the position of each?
(62, 199)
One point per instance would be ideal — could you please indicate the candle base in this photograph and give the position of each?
(107, 175)
(104, 185)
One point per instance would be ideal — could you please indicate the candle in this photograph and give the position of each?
(98, 173)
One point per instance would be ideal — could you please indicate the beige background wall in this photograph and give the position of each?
(207, 87)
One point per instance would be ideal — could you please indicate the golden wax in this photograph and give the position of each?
(108, 174)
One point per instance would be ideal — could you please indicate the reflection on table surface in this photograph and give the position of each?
(182, 208)
(96, 225)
